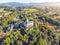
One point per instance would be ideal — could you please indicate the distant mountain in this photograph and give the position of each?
(46, 4)
(13, 4)
(16, 4)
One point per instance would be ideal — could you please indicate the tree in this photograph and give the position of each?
(7, 41)
(42, 42)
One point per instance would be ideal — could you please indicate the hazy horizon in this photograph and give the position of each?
(28, 1)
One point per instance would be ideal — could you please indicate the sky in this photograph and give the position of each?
(28, 1)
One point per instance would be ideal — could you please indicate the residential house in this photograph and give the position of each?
(10, 27)
(16, 25)
(58, 30)
(16, 18)
(28, 24)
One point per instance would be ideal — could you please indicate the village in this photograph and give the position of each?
(31, 25)
(26, 24)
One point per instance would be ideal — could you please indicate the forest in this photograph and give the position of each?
(30, 25)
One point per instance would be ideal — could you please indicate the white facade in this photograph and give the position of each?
(16, 18)
(28, 23)
(10, 27)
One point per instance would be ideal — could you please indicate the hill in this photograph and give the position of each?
(17, 4)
